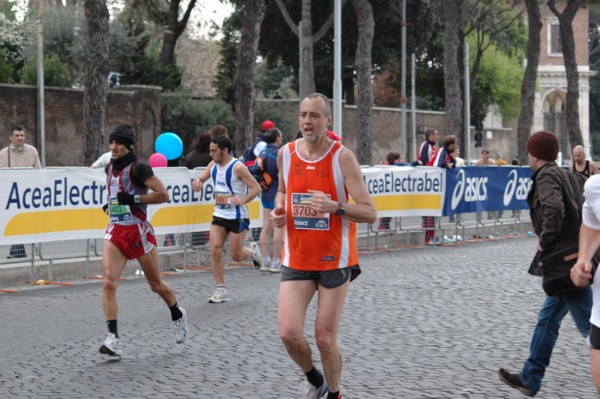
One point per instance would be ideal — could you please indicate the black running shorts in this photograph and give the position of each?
(595, 337)
(327, 278)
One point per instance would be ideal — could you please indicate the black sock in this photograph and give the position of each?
(175, 312)
(112, 327)
(333, 395)
(315, 377)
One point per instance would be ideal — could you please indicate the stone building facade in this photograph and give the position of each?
(551, 96)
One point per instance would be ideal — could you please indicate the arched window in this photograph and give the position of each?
(555, 118)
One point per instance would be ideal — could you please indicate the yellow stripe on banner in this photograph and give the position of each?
(254, 210)
(181, 215)
(92, 219)
(53, 221)
(194, 214)
(407, 202)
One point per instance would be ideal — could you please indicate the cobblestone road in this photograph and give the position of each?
(418, 323)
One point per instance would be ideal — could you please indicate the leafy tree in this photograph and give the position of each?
(6, 10)
(425, 40)
(274, 78)
(489, 22)
(6, 70)
(276, 113)
(499, 81)
(164, 14)
(188, 117)
(15, 39)
(135, 54)
(56, 73)
(223, 81)
(64, 36)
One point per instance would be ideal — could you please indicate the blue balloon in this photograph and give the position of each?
(170, 145)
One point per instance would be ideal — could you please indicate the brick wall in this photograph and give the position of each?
(138, 106)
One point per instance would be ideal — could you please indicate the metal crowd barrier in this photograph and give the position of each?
(447, 231)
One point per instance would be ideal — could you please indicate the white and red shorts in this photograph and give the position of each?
(134, 240)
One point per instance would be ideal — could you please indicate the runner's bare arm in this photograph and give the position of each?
(363, 210)
(278, 216)
(204, 176)
(158, 193)
(242, 173)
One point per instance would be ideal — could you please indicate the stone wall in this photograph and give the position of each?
(138, 106)
(386, 124)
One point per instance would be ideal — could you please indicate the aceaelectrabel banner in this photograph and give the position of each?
(66, 203)
(486, 188)
(406, 190)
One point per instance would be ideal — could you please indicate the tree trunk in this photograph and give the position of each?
(307, 41)
(568, 49)
(307, 68)
(96, 79)
(253, 14)
(363, 64)
(534, 20)
(452, 76)
(172, 30)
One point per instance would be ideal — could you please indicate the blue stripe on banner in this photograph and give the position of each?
(486, 188)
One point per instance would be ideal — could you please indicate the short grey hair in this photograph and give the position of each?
(325, 101)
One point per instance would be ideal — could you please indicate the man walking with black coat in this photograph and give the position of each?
(553, 223)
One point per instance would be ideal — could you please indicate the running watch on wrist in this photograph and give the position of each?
(341, 211)
(137, 199)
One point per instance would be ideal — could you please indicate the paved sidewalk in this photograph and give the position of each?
(418, 323)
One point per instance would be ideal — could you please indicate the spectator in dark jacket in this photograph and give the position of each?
(199, 156)
(268, 156)
(427, 147)
(553, 222)
(443, 156)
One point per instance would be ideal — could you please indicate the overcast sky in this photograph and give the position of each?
(204, 12)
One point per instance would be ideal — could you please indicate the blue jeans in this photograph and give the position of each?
(553, 311)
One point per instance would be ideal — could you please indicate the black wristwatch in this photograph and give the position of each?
(137, 199)
(341, 211)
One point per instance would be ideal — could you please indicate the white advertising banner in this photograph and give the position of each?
(66, 203)
(406, 190)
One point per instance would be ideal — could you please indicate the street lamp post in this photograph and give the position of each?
(41, 121)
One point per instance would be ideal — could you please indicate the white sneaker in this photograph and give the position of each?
(111, 346)
(180, 328)
(275, 266)
(257, 258)
(219, 296)
(266, 263)
(313, 392)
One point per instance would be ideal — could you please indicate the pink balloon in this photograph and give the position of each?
(158, 160)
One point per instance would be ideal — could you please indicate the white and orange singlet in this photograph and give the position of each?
(316, 241)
